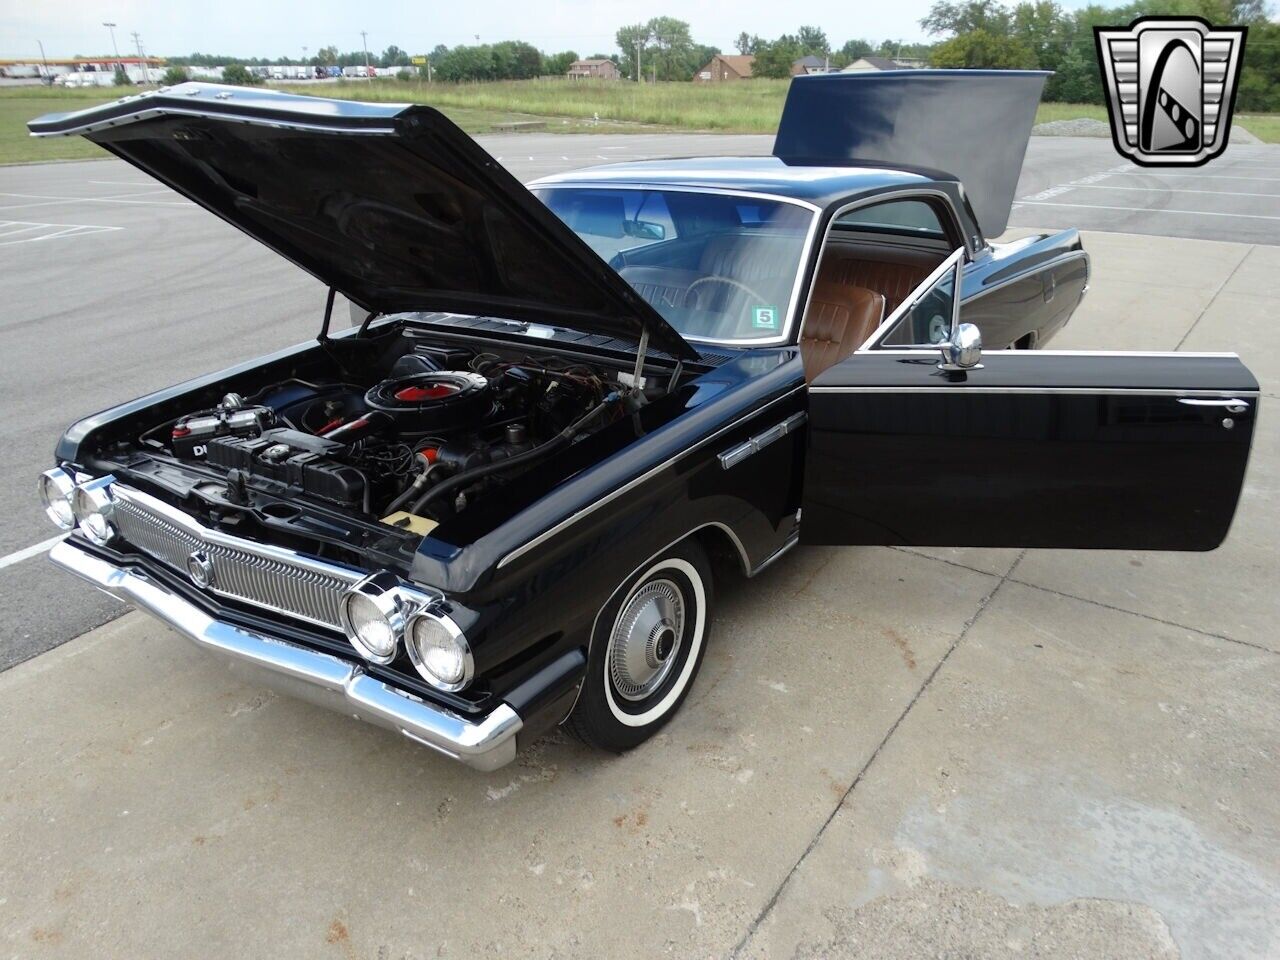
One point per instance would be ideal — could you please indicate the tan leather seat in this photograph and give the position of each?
(838, 321)
(894, 275)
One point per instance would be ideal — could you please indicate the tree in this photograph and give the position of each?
(174, 75)
(327, 56)
(632, 40)
(813, 42)
(851, 51)
(775, 59)
(239, 74)
(960, 18)
(557, 64)
(121, 79)
(978, 49)
(393, 56)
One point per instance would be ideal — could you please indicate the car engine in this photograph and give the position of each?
(442, 428)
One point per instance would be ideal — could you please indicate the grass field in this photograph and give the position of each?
(565, 106)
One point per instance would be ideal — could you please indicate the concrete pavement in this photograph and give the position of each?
(889, 753)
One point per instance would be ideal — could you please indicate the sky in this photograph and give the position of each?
(266, 28)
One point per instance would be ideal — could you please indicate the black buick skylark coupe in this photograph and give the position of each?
(488, 508)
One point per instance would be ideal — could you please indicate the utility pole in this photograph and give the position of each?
(142, 61)
(112, 28)
(639, 71)
(364, 38)
(43, 59)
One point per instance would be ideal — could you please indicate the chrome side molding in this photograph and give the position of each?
(735, 455)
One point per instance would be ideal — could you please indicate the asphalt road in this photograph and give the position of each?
(115, 287)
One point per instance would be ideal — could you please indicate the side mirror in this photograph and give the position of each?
(964, 350)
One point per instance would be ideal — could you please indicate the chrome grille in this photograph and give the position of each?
(259, 574)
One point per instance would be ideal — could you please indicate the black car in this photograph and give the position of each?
(491, 506)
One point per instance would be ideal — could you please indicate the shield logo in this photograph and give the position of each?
(1171, 88)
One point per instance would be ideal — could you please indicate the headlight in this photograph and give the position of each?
(439, 651)
(56, 488)
(92, 506)
(373, 614)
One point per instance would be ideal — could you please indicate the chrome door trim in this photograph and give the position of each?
(635, 482)
(906, 193)
(964, 387)
(909, 301)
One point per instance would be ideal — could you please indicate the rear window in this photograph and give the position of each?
(915, 218)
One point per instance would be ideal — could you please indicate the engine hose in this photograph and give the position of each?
(412, 490)
(537, 453)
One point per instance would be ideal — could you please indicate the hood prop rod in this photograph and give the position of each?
(323, 338)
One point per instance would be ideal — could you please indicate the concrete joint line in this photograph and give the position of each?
(1213, 299)
(1147, 616)
(817, 837)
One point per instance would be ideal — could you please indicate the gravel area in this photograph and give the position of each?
(1080, 127)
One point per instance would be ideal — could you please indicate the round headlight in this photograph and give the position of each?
(373, 614)
(56, 488)
(92, 506)
(439, 651)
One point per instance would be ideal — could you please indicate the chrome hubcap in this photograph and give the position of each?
(644, 644)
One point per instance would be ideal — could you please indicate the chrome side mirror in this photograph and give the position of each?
(964, 350)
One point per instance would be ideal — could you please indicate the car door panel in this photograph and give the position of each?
(1029, 450)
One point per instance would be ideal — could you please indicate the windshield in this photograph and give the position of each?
(716, 266)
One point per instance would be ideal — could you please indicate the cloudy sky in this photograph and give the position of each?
(267, 28)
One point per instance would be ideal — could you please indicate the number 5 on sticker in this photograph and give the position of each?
(764, 318)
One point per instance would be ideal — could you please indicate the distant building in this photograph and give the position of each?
(811, 64)
(724, 67)
(869, 64)
(593, 70)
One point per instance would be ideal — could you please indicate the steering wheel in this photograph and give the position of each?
(728, 281)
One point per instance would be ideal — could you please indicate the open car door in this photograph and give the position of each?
(921, 439)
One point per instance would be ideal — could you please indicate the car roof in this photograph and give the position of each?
(816, 184)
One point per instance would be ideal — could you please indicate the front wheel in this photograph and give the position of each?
(647, 648)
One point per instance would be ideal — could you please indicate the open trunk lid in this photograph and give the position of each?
(391, 205)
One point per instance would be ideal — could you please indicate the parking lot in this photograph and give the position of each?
(888, 753)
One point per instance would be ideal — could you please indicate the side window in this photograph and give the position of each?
(915, 218)
(930, 313)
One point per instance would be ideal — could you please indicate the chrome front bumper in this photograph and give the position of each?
(296, 671)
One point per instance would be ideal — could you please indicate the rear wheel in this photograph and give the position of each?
(646, 651)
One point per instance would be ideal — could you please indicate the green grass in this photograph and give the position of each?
(722, 108)
(1264, 126)
(20, 104)
(565, 106)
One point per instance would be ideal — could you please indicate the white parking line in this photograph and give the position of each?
(1178, 190)
(1096, 206)
(32, 551)
(58, 231)
(123, 198)
(1194, 176)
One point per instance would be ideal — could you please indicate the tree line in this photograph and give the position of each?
(1032, 34)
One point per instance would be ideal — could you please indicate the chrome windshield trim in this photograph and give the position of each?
(794, 305)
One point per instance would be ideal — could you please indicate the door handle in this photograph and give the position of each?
(1231, 404)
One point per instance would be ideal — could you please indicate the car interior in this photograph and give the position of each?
(873, 259)
(711, 263)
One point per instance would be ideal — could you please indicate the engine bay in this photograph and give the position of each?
(426, 433)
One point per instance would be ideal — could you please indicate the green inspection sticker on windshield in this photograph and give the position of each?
(764, 318)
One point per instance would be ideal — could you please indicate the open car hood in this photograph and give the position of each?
(391, 205)
(974, 124)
